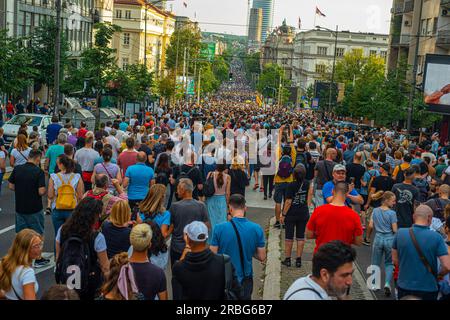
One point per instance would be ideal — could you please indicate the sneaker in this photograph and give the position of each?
(286, 262)
(270, 196)
(265, 197)
(41, 263)
(366, 242)
(48, 211)
(298, 262)
(387, 291)
(277, 225)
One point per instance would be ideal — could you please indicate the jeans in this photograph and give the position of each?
(419, 294)
(382, 244)
(33, 221)
(59, 217)
(268, 184)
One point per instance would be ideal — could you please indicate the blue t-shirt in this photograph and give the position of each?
(52, 132)
(100, 160)
(366, 178)
(123, 126)
(327, 191)
(140, 176)
(412, 272)
(383, 220)
(416, 161)
(252, 237)
(99, 242)
(160, 219)
(52, 154)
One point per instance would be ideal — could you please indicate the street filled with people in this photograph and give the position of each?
(166, 190)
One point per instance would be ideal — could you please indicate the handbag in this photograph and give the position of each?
(247, 281)
(209, 188)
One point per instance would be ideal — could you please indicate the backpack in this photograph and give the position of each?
(285, 167)
(75, 252)
(423, 187)
(66, 200)
(302, 158)
(182, 175)
(162, 178)
(208, 187)
(400, 175)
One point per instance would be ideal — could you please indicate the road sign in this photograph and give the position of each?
(315, 103)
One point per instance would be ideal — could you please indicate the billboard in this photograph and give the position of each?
(208, 51)
(437, 83)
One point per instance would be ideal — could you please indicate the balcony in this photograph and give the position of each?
(445, 4)
(443, 39)
(395, 40)
(398, 9)
(409, 5)
(405, 40)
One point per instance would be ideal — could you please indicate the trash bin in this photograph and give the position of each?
(116, 112)
(77, 115)
(106, 115)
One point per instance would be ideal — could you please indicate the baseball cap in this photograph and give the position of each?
(386, 166)
(197, 231)
(339, 167)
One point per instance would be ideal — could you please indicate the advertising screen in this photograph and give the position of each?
(437, 83)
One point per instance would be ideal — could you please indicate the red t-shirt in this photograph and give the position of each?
(126, 159)
(329, 222)
(9, 108)
(82, 132)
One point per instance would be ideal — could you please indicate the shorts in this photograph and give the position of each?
(280, 192)
(33, 221)
(297, 224)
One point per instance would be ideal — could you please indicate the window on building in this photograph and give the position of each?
(119, 14)
(127, 14)
(383, 54)
(424, 26)
(340, 52)
(430, 26)
(126, 39)
(322, 51)
(435, 24)
(373, 53)
(320, 68)
(419, 64)
(125, 63)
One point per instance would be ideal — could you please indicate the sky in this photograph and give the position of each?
(230, 16)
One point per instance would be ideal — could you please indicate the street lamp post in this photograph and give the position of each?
(336, 33)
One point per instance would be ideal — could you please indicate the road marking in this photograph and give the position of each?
(8, 229)
(47, 255)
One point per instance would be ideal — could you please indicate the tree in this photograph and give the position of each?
(132, 84)
(220, 69)
(16, 65)
(208, 82)
(252, 64)
(42, 49)
(183, 38)
(269, 82)
(166, 86)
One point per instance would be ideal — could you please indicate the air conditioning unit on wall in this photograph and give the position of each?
(406, 23)
(444, 13)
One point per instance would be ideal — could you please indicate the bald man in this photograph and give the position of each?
(138, 178)
(417, 276)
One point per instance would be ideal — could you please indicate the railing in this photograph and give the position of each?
(399, 8)
(443, 38)
(409, 6)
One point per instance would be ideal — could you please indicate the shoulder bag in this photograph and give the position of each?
(247, 281)
(422, 256)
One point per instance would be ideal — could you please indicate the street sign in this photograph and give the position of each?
(191, 87)
(208, 51)
(315, 103)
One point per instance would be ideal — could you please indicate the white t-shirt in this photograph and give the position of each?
(66, 177)
(21, 157)
(133, 121)
(21, 276)
(2, 154)
(309, 294)
(114, 142)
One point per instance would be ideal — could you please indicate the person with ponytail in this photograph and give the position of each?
(152, 209)
(120, 283)
(218, 204)
(66, 175)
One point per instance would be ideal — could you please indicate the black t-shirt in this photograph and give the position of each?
(298, 192)
(20, 108)
(355, 170)
(150, 279)
(27, 180)
(193, 173)
(100, 134)
(407, 195)
(162, 176)
(117, 239)
(381, 183)
(239, 181)
(305, 158)
(77, 169)
(145, 148)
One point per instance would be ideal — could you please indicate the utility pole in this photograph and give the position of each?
(57, 56)
(414, 73)
(184, 70)
(334, 68)
(279, 93)
(199, 83)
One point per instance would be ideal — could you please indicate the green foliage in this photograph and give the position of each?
(166, 86)
(183, 38)
(209, 83)
(252, 64)
(132, 84)
(16, 65)
(220, 69)
(269, 82)
(42, 50)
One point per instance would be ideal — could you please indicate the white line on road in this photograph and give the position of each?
(48, 255)
(8, 229)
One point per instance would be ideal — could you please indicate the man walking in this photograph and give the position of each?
(407, 197)
(323, 174)
(86, 157)
(242, 240)
(28, 183)
(137, 179)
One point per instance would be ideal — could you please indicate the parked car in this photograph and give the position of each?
(12, 126)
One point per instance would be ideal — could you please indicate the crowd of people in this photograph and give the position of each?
(138, 196)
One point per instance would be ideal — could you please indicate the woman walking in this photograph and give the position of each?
(152, 208)
(20, 153)
(110, 169)
(217, 204)
(384, 220)
(163, 171)
(239, 178)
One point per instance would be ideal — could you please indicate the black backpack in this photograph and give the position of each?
(302, 158)
(182, 175)
(400, 175)
(76, 252)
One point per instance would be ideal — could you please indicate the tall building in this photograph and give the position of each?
(434, 32)
(145, 34)
(255, 28)
(267, 7)
(314, 52)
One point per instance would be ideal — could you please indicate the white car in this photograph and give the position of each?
(11, 127)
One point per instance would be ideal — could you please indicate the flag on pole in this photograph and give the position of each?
(319, 12)
(185, 4)
(299, 23)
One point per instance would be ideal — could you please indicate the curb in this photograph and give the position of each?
(272, 272)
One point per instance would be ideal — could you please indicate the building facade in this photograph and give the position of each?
(145, 35)
(434, 24)
(279, 48)
(314, 52)
(267, 7)
(255, 28)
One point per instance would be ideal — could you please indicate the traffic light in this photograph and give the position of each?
(230, 75)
